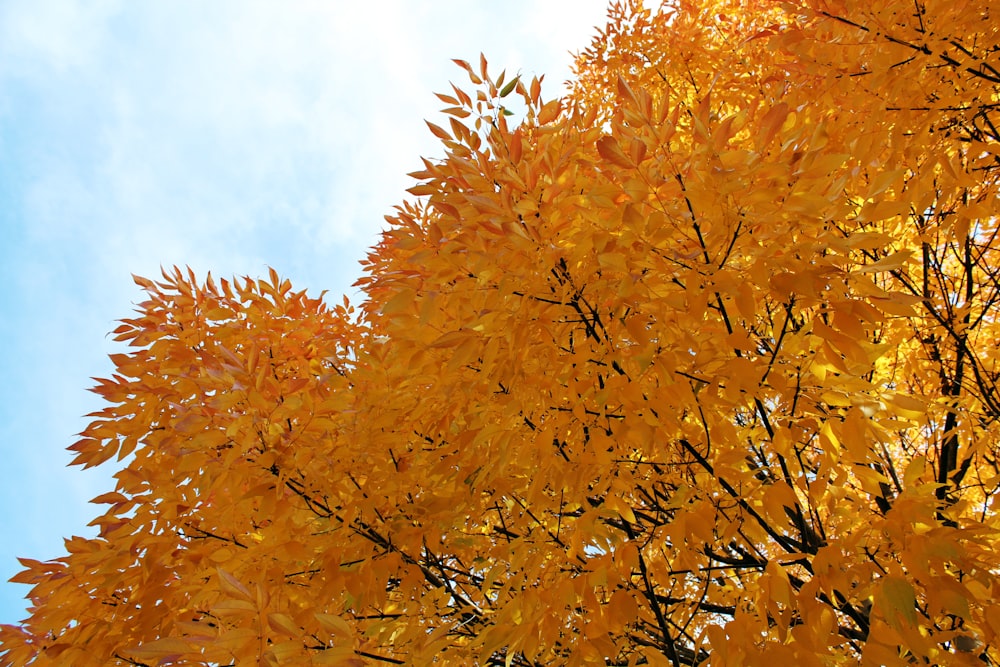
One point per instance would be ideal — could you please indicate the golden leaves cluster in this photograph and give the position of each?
(695, 366)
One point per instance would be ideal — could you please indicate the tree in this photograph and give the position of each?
(695, 366)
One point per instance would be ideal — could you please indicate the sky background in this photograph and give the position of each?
(229, 136)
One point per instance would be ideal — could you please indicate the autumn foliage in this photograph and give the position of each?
(697, 365)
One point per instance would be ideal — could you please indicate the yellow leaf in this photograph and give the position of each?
(402, 300)
(914, 469)
(610, 150)
(438, 131)
(167, 649)
(283, 623)
(451, 339)
(335, 624)
(882, 182)
(897, 601)
(771, 122)
(232, 586)
(893, 261)
(549, 112)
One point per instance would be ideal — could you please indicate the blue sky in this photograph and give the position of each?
(228, 136)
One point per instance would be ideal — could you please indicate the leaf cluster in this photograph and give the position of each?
(694, 366)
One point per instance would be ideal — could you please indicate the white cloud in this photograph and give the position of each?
(53, 35)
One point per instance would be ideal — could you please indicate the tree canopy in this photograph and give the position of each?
(696, 365)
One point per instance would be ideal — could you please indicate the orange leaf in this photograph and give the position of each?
(612, 152)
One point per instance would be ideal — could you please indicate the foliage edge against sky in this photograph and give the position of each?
(694, 366)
